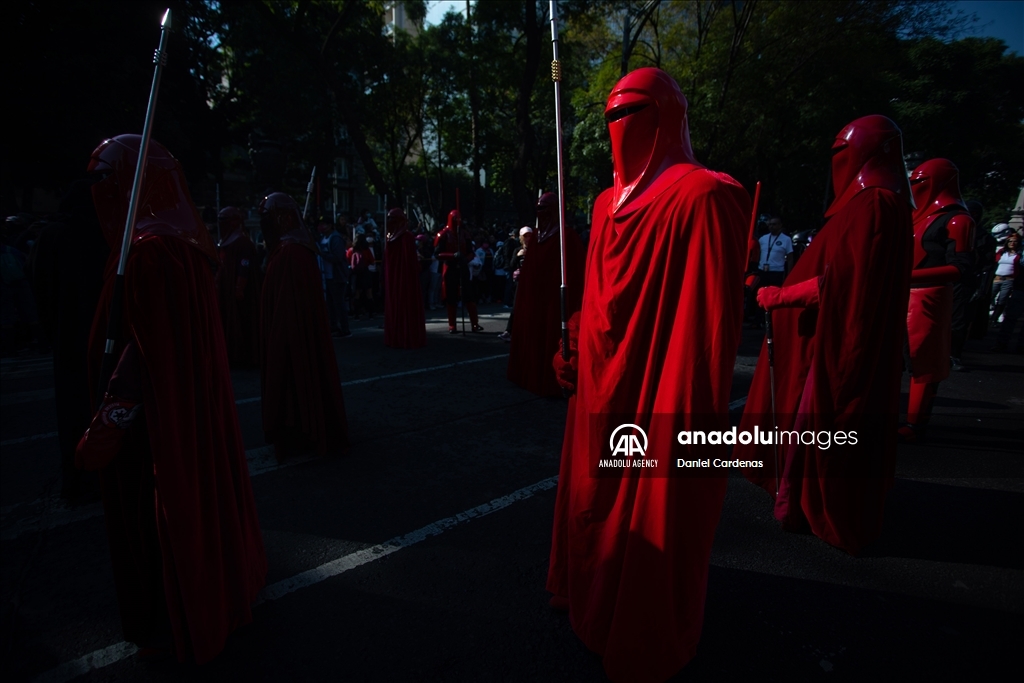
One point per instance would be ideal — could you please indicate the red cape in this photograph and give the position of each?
(659, 329)
(538, 314)
(404, 321)
(187, 461)
(240, 318)
(852, 350)
(302, 400)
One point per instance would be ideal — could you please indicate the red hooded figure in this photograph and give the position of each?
(404, 323)
(303, 408)
(943, 242)
(654, 344)
(538, 312)
(454, 249)
(185, 542)
(839, 326)
(238, 289)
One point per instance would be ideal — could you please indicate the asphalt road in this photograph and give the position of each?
(423, 555)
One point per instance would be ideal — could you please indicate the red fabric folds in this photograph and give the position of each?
(404, 321)
(659, 328)
(538, 312)
(929, 322)
(240, 317)
(302, 400)
(199, 560)
(838, 368)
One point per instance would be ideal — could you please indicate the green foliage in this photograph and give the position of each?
(963, 101)
(769, 83)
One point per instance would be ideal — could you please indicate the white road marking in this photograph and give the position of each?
(83, 665)
(26, 363)
(261, 460)
(115, 653)
(26, 439)
(25, 397)
(421, 370)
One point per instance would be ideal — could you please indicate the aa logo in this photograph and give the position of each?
(628, 441)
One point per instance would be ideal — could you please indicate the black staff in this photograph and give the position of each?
(556, 76)
(114, 321)
(771, 381)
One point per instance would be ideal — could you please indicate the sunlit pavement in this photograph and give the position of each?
(422, 555)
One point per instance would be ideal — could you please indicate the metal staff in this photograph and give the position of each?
(218, 214)
(556, 76)
(771, 381)
(114, 321)
(770, 341)
(753, 221)
(309, 191)
(458, 263)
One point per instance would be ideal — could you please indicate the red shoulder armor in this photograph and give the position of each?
(961, 230)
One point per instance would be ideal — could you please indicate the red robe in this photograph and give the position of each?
(199, 559)
(404, 322)
(240, 317)
(659, 328)
(837, 368)
(538, 313)
(302, 401)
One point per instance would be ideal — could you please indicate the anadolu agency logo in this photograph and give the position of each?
(628, 446)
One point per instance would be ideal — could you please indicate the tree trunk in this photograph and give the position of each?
(522, 197)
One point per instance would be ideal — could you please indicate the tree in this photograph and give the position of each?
(962, 100)
(77, 73)
(769, 83)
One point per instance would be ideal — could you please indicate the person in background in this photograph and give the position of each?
(538, 301)
(238, 289)
(303, 406)
(360, 259)
(776, 254)
(336, 272)
(943, 246)
(516, 269)
(404, 323)
(840, 324)
(454, 248)
(1008, 271)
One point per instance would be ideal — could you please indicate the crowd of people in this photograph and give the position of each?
(895, 281)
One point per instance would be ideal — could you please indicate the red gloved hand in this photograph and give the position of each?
(102, 440)
(801, 295)
(240, 288)
(567, 371)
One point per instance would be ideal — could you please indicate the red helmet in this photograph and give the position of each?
(232, 223)
(646, 115)
(164, 205)
(547, 216)
(454, 219)
(936, 185)
(282, 223)
(867, 153)
(397, 223)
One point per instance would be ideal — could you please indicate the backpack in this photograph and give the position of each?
(498, 262)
